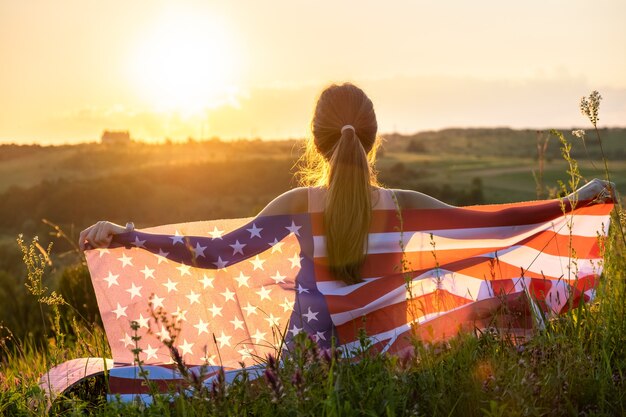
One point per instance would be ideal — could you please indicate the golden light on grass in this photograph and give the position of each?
(186, 62)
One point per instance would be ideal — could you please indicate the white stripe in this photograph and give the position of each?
(472, 237)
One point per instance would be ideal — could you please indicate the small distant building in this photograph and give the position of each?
(111, 137)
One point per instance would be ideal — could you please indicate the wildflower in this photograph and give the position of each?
(589, 106)
(579, 133)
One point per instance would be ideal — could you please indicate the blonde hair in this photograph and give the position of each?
(342, 160)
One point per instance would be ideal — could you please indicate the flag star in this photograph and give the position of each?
(209, 360)
(139, 243)
(216, 233)
(186, 348)
(102, 251)
(150, 352)
(134, 291)
(219, 264)
(294, 229)
(255, 231)
(157, 301)
(202, 327)
(164, 334)
(112, 279)
(127, 340)
(237, 247)
(198, 251)
(162, 256)
(193, 297)
(311, 315)
(171, 285)
(224, 340)
(295, 330)
(278, 278)
(286, 305)
(242, 280)
(319, 335)
(258, 336)
(295, 260)
(147, 272)
(276, 246)
(215, 310)
(238, 324)
(250, 309)
(120, 311)
(301, 289)
(206, 281)
(180, 314)
(258, 263)
(126, 260)
(177, 238)
(273, 321)
(245, 352)
(264, 293)
(184, 269)
(143, 321)
(228, 295)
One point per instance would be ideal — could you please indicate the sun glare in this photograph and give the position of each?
(185, 63)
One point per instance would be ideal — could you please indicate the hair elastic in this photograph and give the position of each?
(348, 127)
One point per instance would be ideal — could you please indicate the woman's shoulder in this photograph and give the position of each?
(409, 199)
(294, 201)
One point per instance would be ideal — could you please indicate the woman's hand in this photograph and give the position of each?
(597, 190)
(99, 235)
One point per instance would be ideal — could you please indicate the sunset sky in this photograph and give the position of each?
(71, 68)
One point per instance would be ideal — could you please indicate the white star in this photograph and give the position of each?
(250, 309)
(238, 324)
(150, 352)
(224, 340)
(295, 260)
(245, 353)
(206, 281)
(301, 289)
(273, 321)
(185, 348)
(120, 311)
(171, 285)
(228, 295)
(237, 247)
(209, 360)
(126, 260)
(264, 293)
(127, 340)
(286, 305)
(112, 279)
(134, 291)
(180, 314)
(276, 246)
(193, 297)
(216, 233)
(198, 251)
(319, 335)
(184, 269)
(202, 327)
(139, 243)
(157, 301)
(177, 238)
(164, 334)
(258, 336)
(162, 256)
(258, 263)
(147, 272)
(102, 251)
(294, 229)
(278, 278)
(215, 310)
(310, 315)
(295, 330)
(255, 231)
(242, 280)
(143, 321)
(219, 263)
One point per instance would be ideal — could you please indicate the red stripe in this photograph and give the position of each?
(119, 385)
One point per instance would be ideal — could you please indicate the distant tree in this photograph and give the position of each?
(416, 146)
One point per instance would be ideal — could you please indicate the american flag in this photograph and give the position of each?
(237, 290)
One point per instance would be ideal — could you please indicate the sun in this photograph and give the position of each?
(185, 63)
